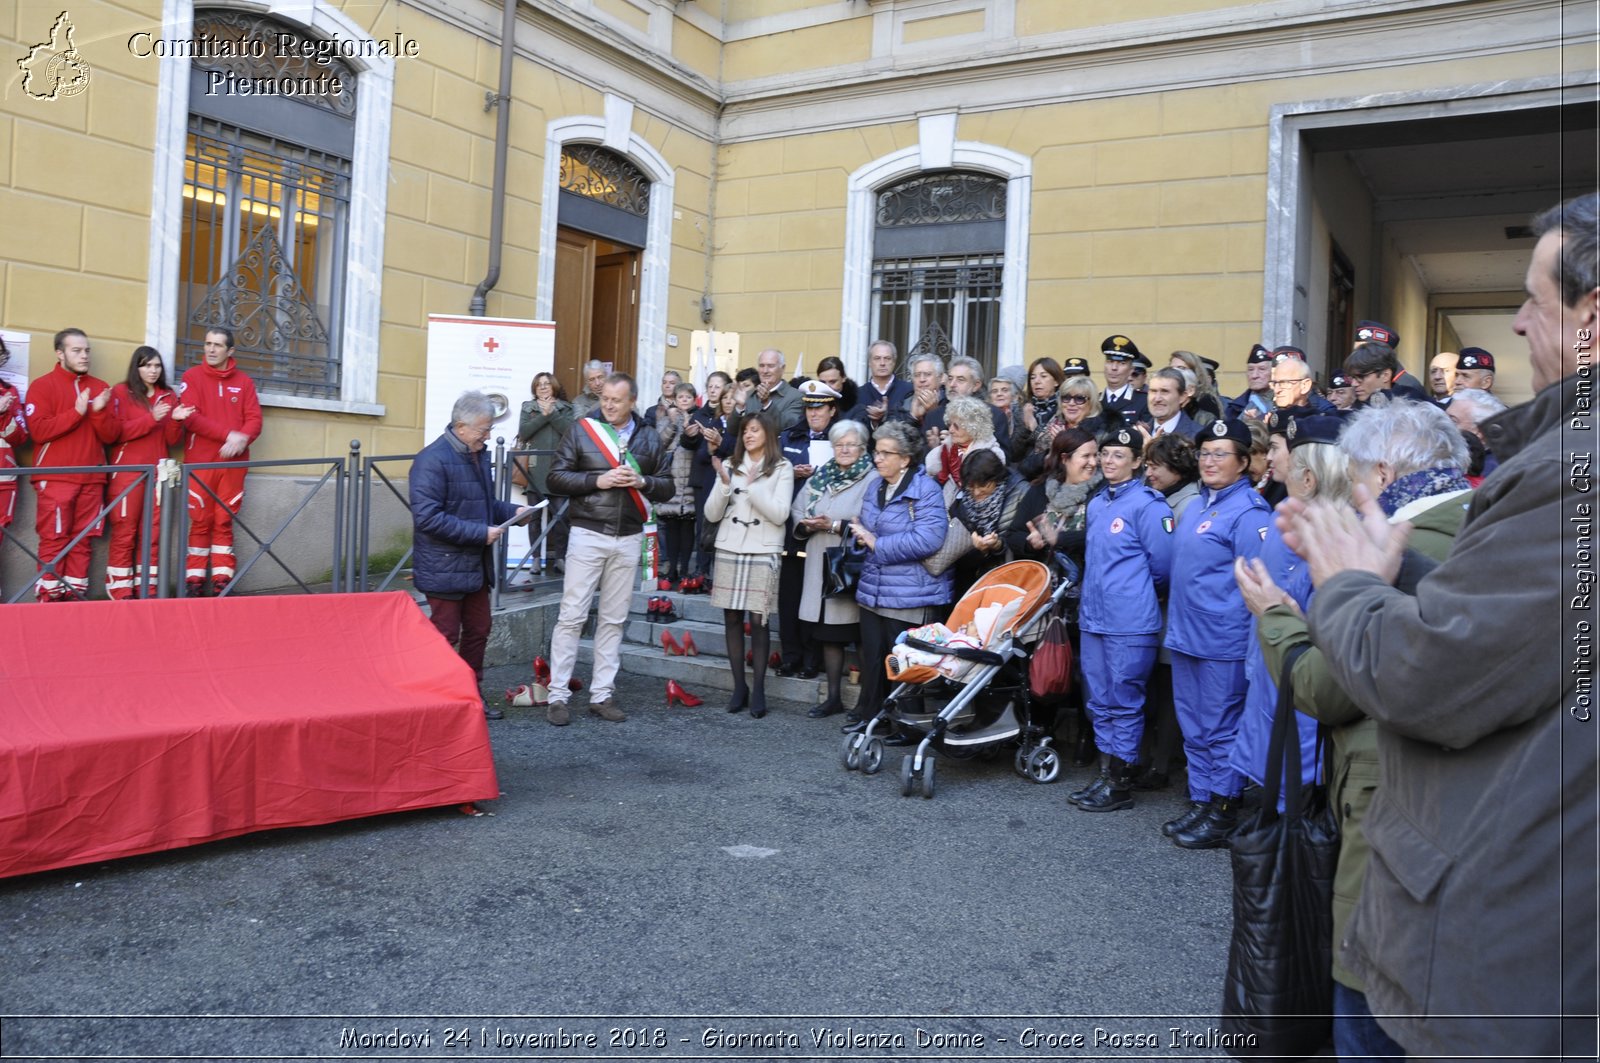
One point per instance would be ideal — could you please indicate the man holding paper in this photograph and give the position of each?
(611, 465)
(457, 521)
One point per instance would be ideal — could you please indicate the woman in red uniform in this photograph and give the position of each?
(142, 407)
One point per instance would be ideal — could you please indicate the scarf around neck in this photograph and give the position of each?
(832, 475)
(1424, 483)
(986, 514)
(1067, 504)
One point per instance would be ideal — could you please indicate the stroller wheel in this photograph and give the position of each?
(927, 777)
(1020, 761)
(1043, 765)
(872, 755)
(907, 781)
(850, 755)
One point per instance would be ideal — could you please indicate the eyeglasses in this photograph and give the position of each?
(1214, 455)
(887, 454)
(1074, 400)
(1363, 376)
(1288, 383)
(848, 446)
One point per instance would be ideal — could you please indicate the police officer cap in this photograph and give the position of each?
(1075, 367)
(1141, 361)
(1475, 358)
(1316, 428)
(1258, 354)
(1119, 349)
(1226, 428)
(1287, 351)
(1211, 364)
(1278, 420)
(1123, 436)
(1339, 380)
(1377, 332)
(816, 393)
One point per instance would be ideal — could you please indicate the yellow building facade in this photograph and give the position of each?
(1192, 173)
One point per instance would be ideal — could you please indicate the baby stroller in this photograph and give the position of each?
(982, 678)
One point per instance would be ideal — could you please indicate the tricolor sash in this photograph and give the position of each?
(610, 443)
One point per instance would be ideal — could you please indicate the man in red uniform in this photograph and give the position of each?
(66, 415)
(223, 417)
(13, 433)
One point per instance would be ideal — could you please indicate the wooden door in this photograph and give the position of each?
(596, 305)
(614, 328)
(574, 300)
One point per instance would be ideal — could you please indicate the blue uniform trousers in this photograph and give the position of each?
(1115, 671)
(1209, 696)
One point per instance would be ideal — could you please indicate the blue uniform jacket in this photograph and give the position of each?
(1127, 560)
(911, 527)
(452, 506)
(1206, 617)
(1290, 572)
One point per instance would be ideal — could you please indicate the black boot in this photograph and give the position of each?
(1116, 794)
(1213, 829)
(1098, 783)
(1187, 819)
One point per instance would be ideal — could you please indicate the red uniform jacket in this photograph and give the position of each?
(141, 439)
(13, 433)
(224, 401)
(65, 436)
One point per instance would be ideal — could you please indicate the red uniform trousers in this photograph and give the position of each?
(211, 522)
(66, 507)
(126, 519)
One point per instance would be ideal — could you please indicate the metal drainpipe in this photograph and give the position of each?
(502, 138)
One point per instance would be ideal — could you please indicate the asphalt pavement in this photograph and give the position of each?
(688, 884)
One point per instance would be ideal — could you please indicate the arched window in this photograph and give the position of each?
(604, 194)
(938, 260)
(266, 201)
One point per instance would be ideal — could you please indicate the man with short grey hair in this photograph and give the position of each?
(964, 379)
(1475, 930)
(611, 465)
(1468, 408)
(773, 394)
(883, 393)
(594, 378)
(456, 521)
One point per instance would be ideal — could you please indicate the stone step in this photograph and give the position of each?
(694, 607)
(700, 674)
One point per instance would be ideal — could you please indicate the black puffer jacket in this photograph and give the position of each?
(452, 506)
(579, 464)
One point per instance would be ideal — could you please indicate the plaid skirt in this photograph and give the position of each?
(745, 582)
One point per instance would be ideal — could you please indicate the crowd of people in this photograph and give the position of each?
(76, 420)
(1212, 534)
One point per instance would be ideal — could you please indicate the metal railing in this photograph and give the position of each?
(356, 480)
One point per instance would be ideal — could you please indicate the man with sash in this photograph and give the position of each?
(611, 465)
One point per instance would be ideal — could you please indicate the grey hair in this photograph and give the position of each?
(592, 365)
(971, 363)
(471, 406)
(1184, 378)
(894, 351)
(1407, 436)
(782, 361)
(1578, 221)
(673, 373)
(903, 435)
(1328, 465)
(972, 415)
(918, 359)
(1483, 403)
(839, 429)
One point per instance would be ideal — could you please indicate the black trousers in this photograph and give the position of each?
(799, 651)
(877, 639)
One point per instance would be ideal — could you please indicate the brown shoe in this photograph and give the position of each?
(607, 711)
(557, 714)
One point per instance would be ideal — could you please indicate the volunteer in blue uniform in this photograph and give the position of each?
(1128, 557)
(1293, 431)
(1209, 629)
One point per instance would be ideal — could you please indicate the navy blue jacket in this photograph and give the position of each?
(1127, 560)
(1206, 614)
(1188, 427)
(795, 442)
(867, 394)
(911, 527)
(452, 507)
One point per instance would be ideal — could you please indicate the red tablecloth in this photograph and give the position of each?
(129, 727)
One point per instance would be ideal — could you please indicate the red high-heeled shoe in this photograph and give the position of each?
(675, 692)
(689, 648)
(775, 660)
(541, 671)
(574, 684)
(663, 584)
(670, 644)
(666, 612)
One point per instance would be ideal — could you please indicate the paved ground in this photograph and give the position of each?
(684, 871)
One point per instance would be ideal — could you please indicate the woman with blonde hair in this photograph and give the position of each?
(1203, 406)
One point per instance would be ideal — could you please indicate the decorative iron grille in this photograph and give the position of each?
(254, 47)
(946, 196)
(946, 305)
(592, 171)
(263, 254)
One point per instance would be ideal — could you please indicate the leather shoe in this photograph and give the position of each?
(558, 714)
(809, 673)
(853, 722)
(901, 738)
(827, 708)
(607, 711)
(492, 713)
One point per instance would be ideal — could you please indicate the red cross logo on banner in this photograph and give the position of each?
(491, 345)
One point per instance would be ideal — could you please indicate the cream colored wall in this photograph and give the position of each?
(795, 51)
(1404, 308)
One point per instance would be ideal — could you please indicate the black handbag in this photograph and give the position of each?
(841, 569)
(1279, 983)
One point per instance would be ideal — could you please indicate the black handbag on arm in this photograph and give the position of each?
(841, 568)
(1279, 983)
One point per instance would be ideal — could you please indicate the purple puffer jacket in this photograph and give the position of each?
(909, 529)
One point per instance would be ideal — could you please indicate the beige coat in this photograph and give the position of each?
(839, 503)
(752, 511)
